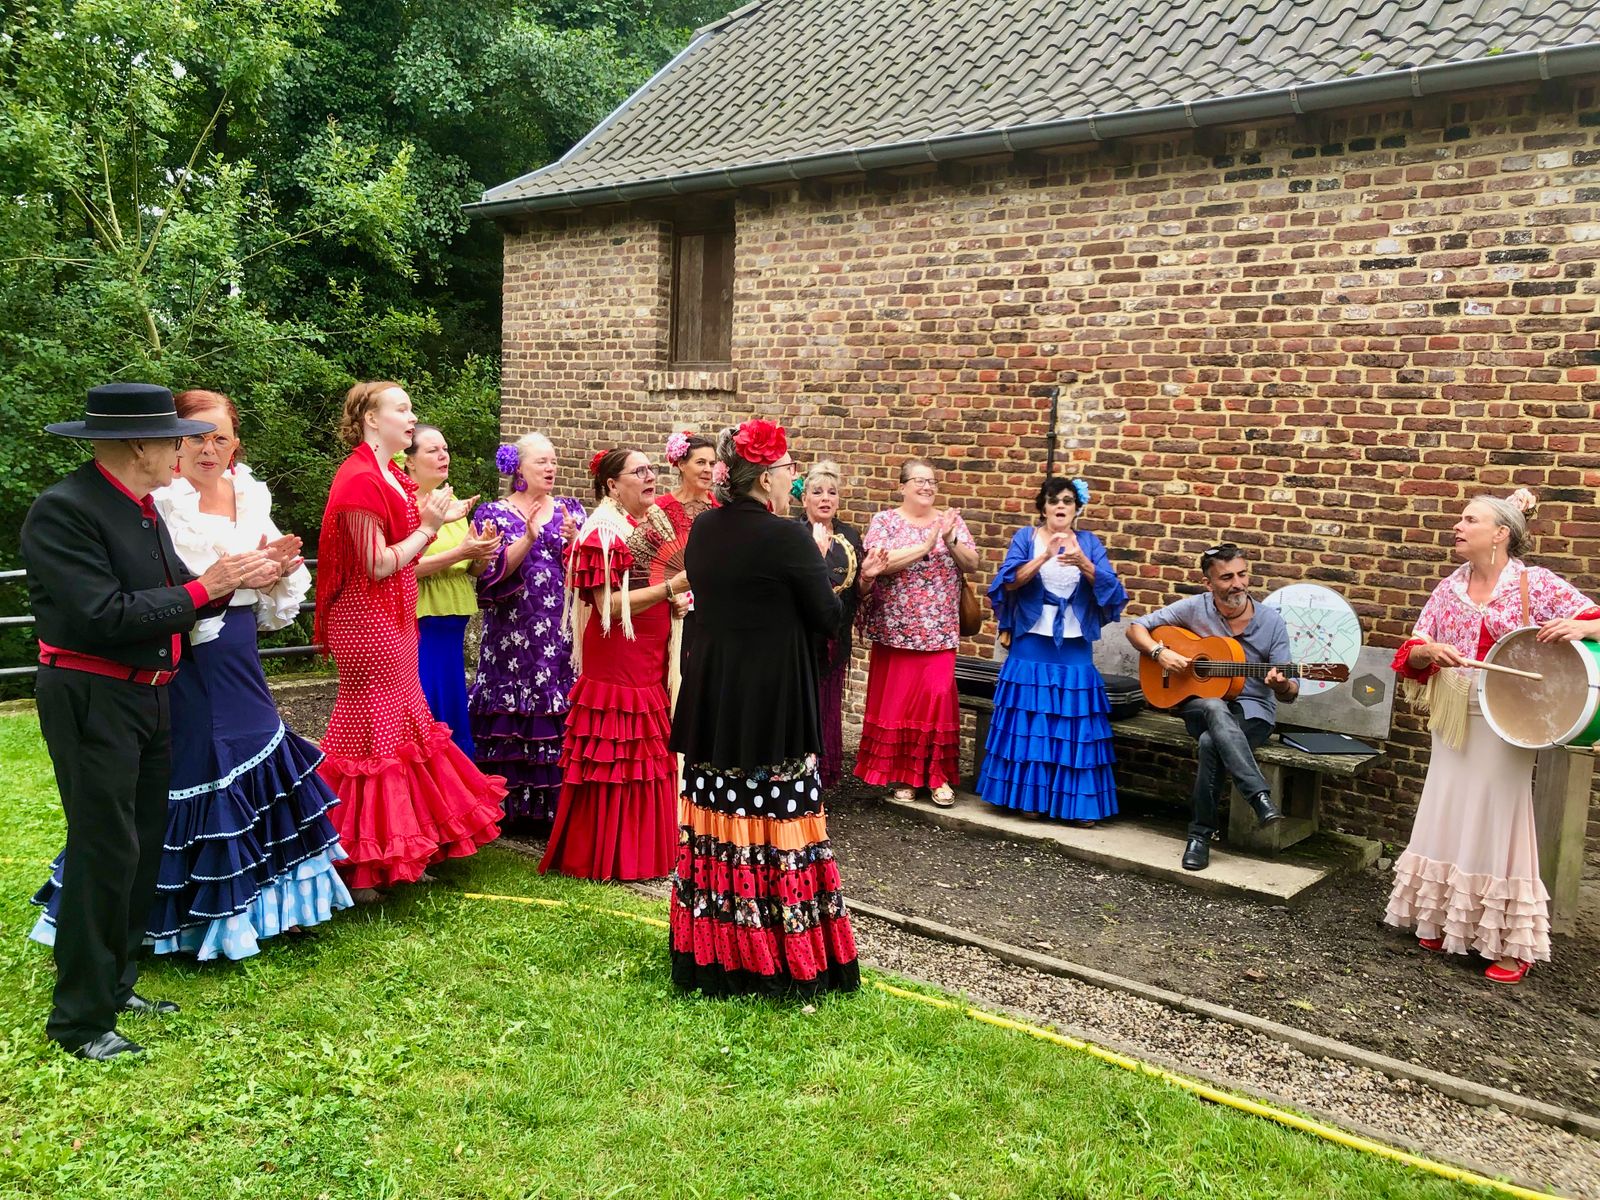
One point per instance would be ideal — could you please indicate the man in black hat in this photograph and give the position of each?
(111, 600)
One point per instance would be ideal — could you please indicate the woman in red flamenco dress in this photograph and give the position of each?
(408, 796)
(617, 817)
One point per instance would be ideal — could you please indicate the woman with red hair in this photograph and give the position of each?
(408, 795)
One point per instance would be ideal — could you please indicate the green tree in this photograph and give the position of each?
(264, 197)
(141, 215)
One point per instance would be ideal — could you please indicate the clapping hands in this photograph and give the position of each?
(873, 564)
(440, 506)
(229, 573)
(1064, 548)
(947, 525)
(284, 552)
(482, 543)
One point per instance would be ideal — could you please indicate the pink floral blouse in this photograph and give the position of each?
(920, 607)
(1450, 617)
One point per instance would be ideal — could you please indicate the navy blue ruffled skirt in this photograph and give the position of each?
(1049, 749)
(249, 849)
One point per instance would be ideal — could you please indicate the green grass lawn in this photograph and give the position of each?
(437, 1046)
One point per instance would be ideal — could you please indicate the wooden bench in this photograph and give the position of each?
(1360, 709)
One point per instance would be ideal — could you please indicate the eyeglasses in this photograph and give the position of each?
(220, 442)
(644, 472)
(922, 481)
(791, 464)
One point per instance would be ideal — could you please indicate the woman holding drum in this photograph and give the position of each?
(1468, 880)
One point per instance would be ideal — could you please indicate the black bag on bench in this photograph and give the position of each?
(1127, 699)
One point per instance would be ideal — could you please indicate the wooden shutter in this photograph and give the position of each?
(702, 297)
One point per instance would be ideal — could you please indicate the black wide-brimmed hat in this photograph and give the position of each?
(129, 410)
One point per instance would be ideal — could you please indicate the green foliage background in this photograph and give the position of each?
(264, 197)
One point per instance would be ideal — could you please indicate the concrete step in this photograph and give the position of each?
(1133, 844)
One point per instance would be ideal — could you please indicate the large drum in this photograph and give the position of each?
(1562, 709)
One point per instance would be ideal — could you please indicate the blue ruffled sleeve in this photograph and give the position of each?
(1017, 609)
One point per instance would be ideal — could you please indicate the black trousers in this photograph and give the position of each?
(110, 743)
(1228, 741)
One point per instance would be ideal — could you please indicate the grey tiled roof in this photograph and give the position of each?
(787, 79)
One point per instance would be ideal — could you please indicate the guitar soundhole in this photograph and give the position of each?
(1198, 666)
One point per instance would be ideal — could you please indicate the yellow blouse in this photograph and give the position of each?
(450, 592)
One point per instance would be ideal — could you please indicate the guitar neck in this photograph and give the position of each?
(1249, 670)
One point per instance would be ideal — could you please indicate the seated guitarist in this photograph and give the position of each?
(1228, 732)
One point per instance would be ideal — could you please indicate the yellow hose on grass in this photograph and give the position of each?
(1194, 1087)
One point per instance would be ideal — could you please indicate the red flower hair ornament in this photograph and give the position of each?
(594, 463)
(760, 442)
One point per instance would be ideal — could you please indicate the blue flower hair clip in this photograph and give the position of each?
(507, 459)
(1080, 491)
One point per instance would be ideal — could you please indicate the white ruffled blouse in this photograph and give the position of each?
(202, 538)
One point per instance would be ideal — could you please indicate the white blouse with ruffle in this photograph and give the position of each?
(202, 538)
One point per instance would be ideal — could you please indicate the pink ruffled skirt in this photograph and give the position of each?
(1470, 874)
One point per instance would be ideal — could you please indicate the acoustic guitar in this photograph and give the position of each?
(1217, 669)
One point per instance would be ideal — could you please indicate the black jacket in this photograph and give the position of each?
(99, 571)
(762, 604)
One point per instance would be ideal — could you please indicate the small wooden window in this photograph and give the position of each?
(702, 297)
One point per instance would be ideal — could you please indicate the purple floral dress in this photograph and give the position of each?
(518, 705)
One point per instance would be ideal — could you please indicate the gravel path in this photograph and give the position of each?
(1399, 1111)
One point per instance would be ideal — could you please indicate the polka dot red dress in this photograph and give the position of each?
(408, 795)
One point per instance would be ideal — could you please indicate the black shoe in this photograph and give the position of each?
(1266, 811)
(148, 1008)
(105, 1047)
(1197, 854)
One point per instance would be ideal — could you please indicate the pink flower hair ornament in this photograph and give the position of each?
(678, 447)
(719, 473)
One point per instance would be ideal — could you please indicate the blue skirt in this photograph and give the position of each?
(1049, 748)
(442, 666)
(249, 849)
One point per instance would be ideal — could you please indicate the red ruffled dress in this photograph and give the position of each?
(408, 795)
(617, 815)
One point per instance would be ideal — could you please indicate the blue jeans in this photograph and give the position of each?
(1227, 741)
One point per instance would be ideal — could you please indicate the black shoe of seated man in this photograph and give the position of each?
(1266, 811)
(1197, 854)
(148, 1008)
(105, 1047)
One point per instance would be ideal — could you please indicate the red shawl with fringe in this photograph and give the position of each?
(359, 487)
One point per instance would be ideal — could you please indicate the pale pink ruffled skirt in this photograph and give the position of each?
(1470, 874)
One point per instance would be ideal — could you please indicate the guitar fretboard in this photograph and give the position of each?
(1207, 669)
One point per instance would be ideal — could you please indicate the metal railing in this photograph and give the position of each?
(295, 651)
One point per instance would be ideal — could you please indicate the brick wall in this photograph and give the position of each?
(1318, 340)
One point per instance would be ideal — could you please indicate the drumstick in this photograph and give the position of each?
(1483, 666)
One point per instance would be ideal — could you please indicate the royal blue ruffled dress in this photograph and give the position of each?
(249, 849)
(1050, 748)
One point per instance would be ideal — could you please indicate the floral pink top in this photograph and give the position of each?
(1450, 617)
(920, 607)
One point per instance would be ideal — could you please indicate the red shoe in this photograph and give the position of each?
(1498, 974)
(1434, 944)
